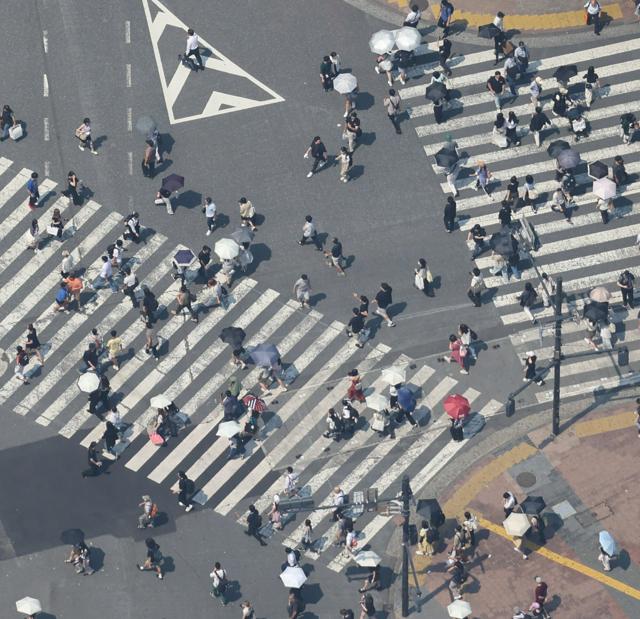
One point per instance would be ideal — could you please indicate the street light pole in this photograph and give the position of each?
(557, 355)
(406, 498)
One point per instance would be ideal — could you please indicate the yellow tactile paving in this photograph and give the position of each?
(457, 504)
(546, 21)
(605, 424)
(566, 562)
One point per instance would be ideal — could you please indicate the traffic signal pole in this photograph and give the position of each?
(557, 357)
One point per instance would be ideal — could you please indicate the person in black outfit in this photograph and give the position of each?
(504, 215)
(90, 360)
(95, 464)
(186, 489)
(326, 78)
(110, 438)
(444, 51)
(356, 326)
(204, 258)
(149, 304)
(319, 153)
(101, 394)
(619, 172)
(254, 522)
(450, 214)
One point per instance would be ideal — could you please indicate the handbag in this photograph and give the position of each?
(156, 439)
(16, 132)
(429, 276)
(418, 281)
(53, 230)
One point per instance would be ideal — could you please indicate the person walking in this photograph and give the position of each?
(539, 120)
(247, 214)
(372, 581)
(254, 522)
(535, 90)
(467, 337)
(546, 289)
(392, 105)
(458, 353)
(593, 10)
(129, 285)
(559, 203)
(423, 278)
(185, 491)
(521, 56)
(495, 85)
(219, 583)
(476, 287)
(512, 194)
(511, 71)
(619, 172)
(32, 343)
(413, 17)
(628, 127)
(336, 63)
(319, 153)
(355, 389)
(32, 188)
(151, 343)
(444, 52)
(352, 130)
(509, 503)
(540, 594)
(426, 539)
(483, 176)
(101, 394)
(247, 610)
(356, 327)
(625, 283)
(383, 301)
(193, 49)
(302, 290)
(110, 438)
(114, 346)
(153, 558)
(471, 526)
(184, 298)
(83, 133)
(530, 372)
(591, 86)
(326, 78)
(93, 458)
(458, 577)
(527, 300)
(22, 359)
(7, 120)
(367, 607)
(334, 256)
(209, 210)
(61, 303)
(149, 164)
(149, 512)
(33, 236)
(449, 216)
(511, 129)
(445, 17)
(478, 235)
(529, 193)
(345, 161)
(499, 39)
(73, 184)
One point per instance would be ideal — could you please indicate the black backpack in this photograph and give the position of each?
(189, 486)
(111, 249)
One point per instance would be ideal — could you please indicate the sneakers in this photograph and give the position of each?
(377, 69)
(181, 504)
(463, 372)
(93, 152)
(391, 324)
(309, 176)
(189, 508)
(81, 147)
(208, 232)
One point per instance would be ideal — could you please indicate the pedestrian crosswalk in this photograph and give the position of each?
(586, 252)
(195, 367)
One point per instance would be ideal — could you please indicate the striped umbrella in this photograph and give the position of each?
(254, 403)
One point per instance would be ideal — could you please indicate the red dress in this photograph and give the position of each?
(355, 390)
(455, 348)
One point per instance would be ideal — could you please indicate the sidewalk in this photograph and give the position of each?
(588, 483)
(520, 15)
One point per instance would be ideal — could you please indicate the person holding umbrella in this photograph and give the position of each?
(608, 549)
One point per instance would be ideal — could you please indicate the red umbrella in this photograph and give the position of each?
(457, 406)
(253, 403)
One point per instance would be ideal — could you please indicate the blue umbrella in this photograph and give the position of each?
(607, 543)
(264, 355)
(406, 399)
(184, 258)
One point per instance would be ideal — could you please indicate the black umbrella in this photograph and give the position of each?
(430, 510)
(488, 31)
(533, 505)
(565, 72)
(573, 113)
(597, 169)
(436, 91)
(596, 311)
(146, 125)
(173, 182)
(556, 147)
(72, 536)
(568, 159)
(234, 336)
(446, 157)
(502, 243)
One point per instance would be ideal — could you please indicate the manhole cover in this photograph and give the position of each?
(526, 480)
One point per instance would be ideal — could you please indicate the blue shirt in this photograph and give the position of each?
(61, 295)
(32, 185)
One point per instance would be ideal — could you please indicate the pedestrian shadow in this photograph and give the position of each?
(457, 27)
(605, 20)
(553, 524)
(168, 565)
(367, 138)
(72, 536)
(356, 172)
(96, 556)
(312, 593)
(99, 141)
(365, 101)
(261, 253)
(260, 219)
(222, 220)
(314, 299)
(623, 560)
(188, 199)
(323, 238)
(166, 143)
(348, 261)
(162, 166)
(554, 603)
(45, 198)
(396, 309)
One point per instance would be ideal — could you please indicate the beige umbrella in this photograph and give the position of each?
(459, 609)
(160, 401)
(516, 524)
(226, 249)
(382, 42)
(228, 429)
(377, 402)
(367, 558)
(29, 606)
(604, 188)
(395, 374)
(600, 294)
(408, 39)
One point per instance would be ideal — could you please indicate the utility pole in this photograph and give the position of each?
(557, 356)
(406, 498)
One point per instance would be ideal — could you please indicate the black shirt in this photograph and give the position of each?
(496, 83)
(325, 69)
(93, 455)
(336, 250)
(7, 116)
(356, 324)
(318, 150)
(383, 298)
(445, 49)
(204, 257)
(32, 340)
(90, 357)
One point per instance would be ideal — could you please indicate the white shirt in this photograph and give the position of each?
(210, 209)
(413, 17)
(218, 576)
(498, 22)
(308, 229)
(510, 501)
(129, 280)
(114, 418)
(67, 264)
(338, 499)
(592, 9)
(106, 271)
(192, 43)
(117, 255)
